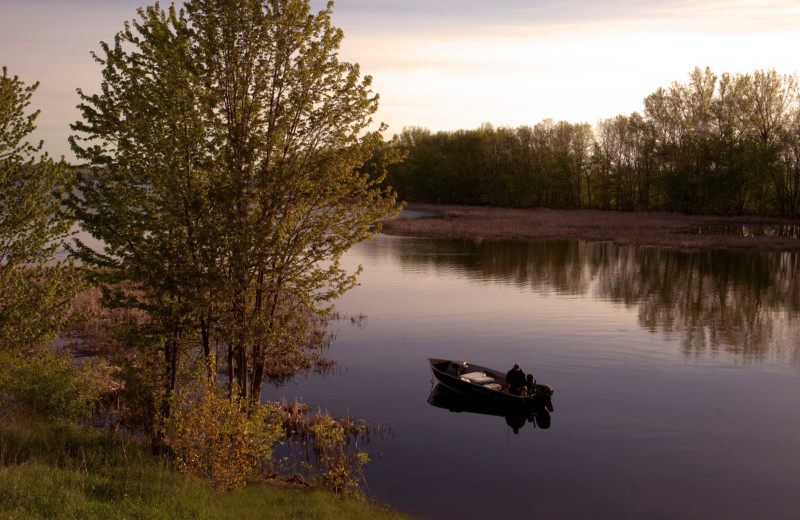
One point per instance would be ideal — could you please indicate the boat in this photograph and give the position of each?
(488, 385)
(516, 416)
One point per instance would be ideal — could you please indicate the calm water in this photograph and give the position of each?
(677, 379)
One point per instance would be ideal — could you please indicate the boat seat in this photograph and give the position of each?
(479, 378)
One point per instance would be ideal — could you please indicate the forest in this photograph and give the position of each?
(717, 145)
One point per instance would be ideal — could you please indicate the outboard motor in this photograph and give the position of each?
(546, 393)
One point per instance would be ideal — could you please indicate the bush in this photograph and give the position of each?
(49, 385)
(219, 440)
(340, 467)
(330, 446)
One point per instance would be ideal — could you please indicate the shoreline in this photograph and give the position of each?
(644, 229)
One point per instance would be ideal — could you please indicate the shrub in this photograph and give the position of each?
(329, 446)
(340, 465)
(49, 385)
(218, 439)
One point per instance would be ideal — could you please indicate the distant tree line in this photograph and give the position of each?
(726, 145)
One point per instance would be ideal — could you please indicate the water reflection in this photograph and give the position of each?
(516, 417)
(744, 303)
(782, 231)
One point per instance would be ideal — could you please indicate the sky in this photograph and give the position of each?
(451, 64)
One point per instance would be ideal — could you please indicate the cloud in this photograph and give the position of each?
(575, 69)
(450, 64)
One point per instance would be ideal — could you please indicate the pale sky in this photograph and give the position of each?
(450, 64)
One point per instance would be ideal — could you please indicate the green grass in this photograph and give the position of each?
(63, 471)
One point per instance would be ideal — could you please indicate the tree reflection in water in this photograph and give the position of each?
(744, 303)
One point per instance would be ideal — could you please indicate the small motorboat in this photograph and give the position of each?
(488, 384)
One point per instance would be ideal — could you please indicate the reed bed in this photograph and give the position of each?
(668, 230)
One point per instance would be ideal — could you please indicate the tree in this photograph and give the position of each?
(145, 137)
(35, 292)
(789, 193)
(35, 300)
(767, 103)
(228, 140)
(719, 145)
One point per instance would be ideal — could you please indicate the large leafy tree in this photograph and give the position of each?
(35, 300)
(228, 141)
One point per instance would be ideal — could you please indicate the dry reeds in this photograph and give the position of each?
(327, 449)
(96, 335)
(667, 230)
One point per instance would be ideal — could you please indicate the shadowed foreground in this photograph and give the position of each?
(667, 230)
(52, 470)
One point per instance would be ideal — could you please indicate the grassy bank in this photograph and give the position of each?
(642, 229)
(63, 471)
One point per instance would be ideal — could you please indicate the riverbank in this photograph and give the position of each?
(51, 470)
(667, 230)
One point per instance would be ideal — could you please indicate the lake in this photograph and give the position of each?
(676, 376)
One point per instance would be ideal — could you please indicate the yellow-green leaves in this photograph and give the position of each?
(230, 139)
(218, 440)
(34, 299)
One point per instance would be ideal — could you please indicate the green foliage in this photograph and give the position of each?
(55, 470)
(289, 504)
(719, 145)
(233, 169)
(36, 304)
(219, 440)
(545, 165)
(327, 449)
(232, 217)
(340, 466)
(142, 392)
(34, 300)
(50, 386)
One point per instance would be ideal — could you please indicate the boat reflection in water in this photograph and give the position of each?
(516, 416)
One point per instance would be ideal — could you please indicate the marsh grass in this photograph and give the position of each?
(50, 470)
(327, 451)
(97, 335)
(639, 229)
